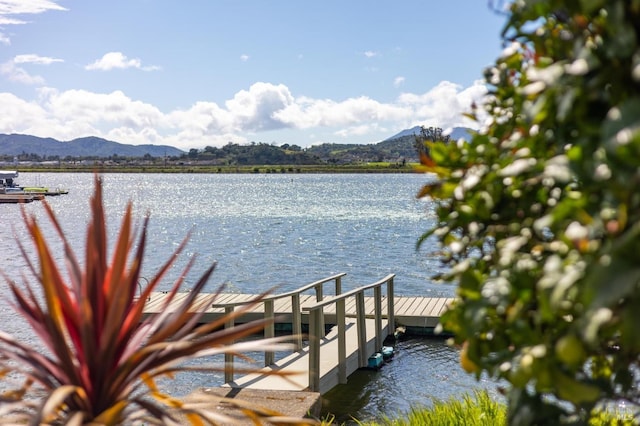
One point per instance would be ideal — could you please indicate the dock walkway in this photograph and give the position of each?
(344, 329)
(410, 311)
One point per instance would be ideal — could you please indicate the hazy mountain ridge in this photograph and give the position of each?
(16, 144)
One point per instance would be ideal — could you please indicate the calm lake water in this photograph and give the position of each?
(280, 231)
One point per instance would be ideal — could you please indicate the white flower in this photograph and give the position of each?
(494, 290)
(547, 75)
(624, 136)
(576, 231)
(511, 49)
(534, 88)
(603, 172)
(577, 67)
(557, 168)
(473, 176)
(519, 166)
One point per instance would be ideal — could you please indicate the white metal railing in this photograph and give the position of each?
(269, 303)
(317, 331)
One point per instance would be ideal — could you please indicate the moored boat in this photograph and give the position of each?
(7, 178)
(8, 184)
(43, 190)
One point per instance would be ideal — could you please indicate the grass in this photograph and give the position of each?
(477, 409)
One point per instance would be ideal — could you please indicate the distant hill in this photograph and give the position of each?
(403, 144)
(455, 133)
(15, 144)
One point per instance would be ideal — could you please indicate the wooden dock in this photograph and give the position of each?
(298, 363)
(410, 311)
(358, 323)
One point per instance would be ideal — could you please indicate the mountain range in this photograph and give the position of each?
(87, 147)
(15, 144)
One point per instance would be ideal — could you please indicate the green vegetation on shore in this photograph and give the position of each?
(378, 167)
(479, 409)
(476, 409)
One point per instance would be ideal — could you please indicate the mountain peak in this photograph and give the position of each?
(455, 133)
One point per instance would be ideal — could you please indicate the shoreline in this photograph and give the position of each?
(250, 169)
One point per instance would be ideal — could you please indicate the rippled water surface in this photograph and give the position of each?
(283, 231)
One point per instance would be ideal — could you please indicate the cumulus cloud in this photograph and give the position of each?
(398, 81)
(117, 60)
(18, 74)
(261, 108)
(22, 7)
(444, 104)
(257, 109)
(244, 58)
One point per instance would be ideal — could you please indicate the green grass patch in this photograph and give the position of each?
(477, 409)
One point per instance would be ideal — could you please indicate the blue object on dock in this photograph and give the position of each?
(387, 352)
(375, 361)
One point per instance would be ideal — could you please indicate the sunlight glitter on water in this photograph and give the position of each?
(276, 230)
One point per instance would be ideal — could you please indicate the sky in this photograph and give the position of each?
(199, 73)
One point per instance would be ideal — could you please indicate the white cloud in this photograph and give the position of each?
(263, 107)
(13, 7)
(22, 7)
(20, 116)
(117, 60)
(398, 81)
(365, 129)
(371, 54)
(244, 58)
(444, 104)
(35, 59)
(19, 75)
(308, 113)
(257, 109)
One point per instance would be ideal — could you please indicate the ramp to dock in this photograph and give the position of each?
(296, 365)
(362, 321)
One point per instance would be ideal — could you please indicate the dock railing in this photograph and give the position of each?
(317, 331)
(296, 320)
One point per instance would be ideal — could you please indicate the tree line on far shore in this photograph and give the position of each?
(398, 151)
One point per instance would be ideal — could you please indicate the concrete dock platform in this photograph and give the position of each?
(298, 404)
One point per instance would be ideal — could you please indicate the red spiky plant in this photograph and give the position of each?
(101, 357)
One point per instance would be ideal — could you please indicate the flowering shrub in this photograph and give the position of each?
(539, 213)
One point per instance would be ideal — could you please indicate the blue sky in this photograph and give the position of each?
(202, 73)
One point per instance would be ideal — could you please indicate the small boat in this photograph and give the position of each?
(7, 178)
(43, 190)
(7, 182)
